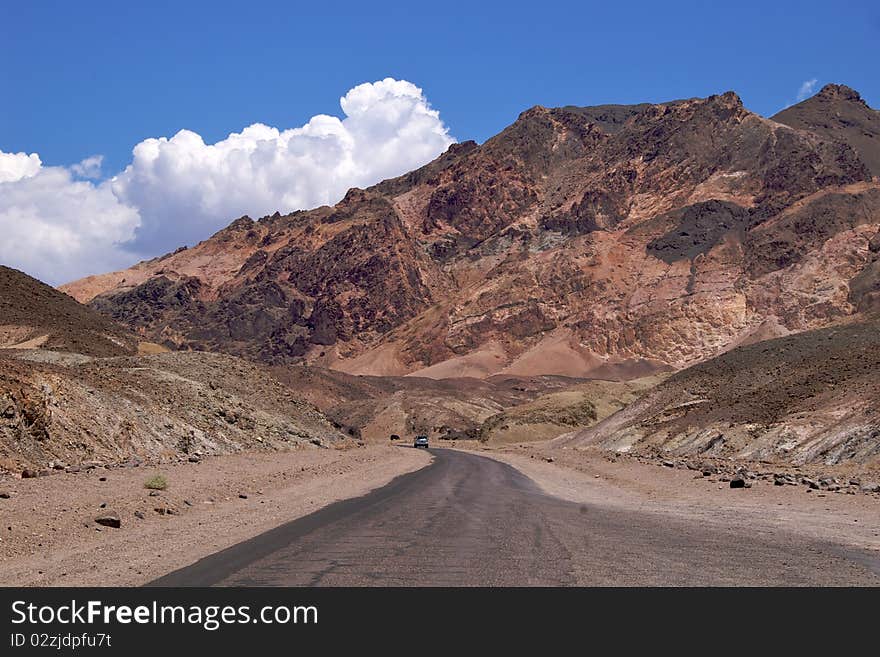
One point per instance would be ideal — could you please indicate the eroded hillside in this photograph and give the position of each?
(806, 398)
(609, 242)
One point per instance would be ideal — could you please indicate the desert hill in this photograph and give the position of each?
(66, 410)
(375, 407)
(73, 389)
(812, 397)
(33, 314)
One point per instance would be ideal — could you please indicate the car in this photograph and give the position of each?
(421, 441)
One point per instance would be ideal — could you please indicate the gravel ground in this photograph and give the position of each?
(49, 536)
(591, 477)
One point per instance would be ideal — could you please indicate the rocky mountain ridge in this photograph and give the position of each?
(605, 242)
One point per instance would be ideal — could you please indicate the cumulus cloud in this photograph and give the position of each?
(15, 166)
(57, 228)
(186, 189)
(806, 90)
(59, 223)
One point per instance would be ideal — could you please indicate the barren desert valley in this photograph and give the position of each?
(641, 339)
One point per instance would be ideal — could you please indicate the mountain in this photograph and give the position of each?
(838, 112)
(609, 242)
(33, 314)
(813, 397)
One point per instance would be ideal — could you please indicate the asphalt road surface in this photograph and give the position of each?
(467, 520)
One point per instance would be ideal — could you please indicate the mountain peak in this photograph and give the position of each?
(840, 92)
(728, 98)
(534, 110)
(839, 113)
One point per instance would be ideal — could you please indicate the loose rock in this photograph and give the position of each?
(109, 519)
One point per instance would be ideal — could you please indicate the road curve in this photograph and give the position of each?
(467, 520)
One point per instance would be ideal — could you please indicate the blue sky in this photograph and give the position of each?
(167, 93)
(84, 78)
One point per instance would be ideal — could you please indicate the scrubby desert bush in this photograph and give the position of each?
(158, 482)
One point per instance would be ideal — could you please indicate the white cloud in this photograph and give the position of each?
(58, 227)
(186, 189)
(806, 90)
(15, 166)
(89, 167)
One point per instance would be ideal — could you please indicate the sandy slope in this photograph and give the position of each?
(49, 538)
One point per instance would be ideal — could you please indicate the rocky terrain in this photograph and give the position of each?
(605, 242)
(88, 407)
(839, 113)
(809, 398)
(69, 411)
(375, 407)
(558, 412)
(76, 393)
(33, 314)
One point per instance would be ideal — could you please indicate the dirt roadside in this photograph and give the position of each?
(49, 537)
(590, 477)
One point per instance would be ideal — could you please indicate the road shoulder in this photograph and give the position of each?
(50, 536)
(592, 478)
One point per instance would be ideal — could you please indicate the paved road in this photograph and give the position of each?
(470, 520)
